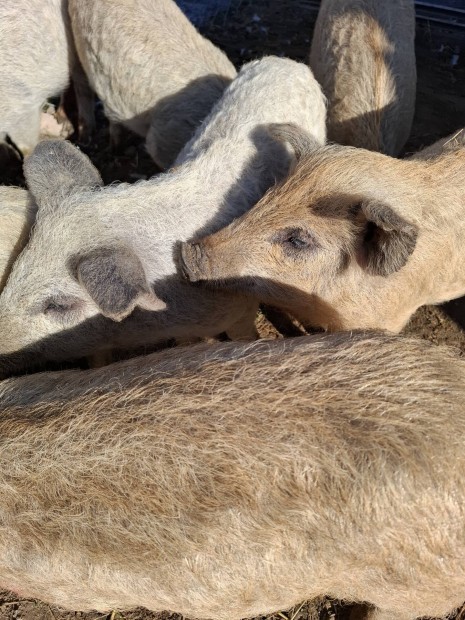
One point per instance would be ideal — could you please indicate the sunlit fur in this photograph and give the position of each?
(146, 61)
(37, 57)
(17, 213)
(329, 285)
(233, 480)
(225, 169)
(363, 55)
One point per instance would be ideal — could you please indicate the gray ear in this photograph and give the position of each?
(115, 280)
(56, 169)
(389, 239)
(301, 141)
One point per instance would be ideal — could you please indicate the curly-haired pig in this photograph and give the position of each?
(99, 270)
(452, 142)
(17, 214)
(233, 480)
(37, 59)
(363, 55)
(352, 239)
(151, 68)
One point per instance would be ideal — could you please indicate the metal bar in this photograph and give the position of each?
(438, 20)
(440, 7)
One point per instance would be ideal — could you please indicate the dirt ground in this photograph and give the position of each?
(256, 28)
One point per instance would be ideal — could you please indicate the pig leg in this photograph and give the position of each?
(100, 359)
(116, 136)
(85, 105)
(55, 125)
(369, 612)
(25, 133)
(244, 329)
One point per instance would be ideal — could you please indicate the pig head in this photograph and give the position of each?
(69, 288)
(353, 239)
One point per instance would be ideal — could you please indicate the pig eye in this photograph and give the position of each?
(295, 240)
(60, 306)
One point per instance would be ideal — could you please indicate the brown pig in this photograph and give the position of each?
(233, 480)
(363, 55)
(353, 239)
(452, 142)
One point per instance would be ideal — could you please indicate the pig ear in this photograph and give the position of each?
(115, 280)
(301, 141)
(56, 169)
(388, 241)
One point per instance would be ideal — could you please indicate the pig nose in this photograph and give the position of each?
(192, 256)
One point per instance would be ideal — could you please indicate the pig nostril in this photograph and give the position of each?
(198, 251)
(183, 262)
(191, 255)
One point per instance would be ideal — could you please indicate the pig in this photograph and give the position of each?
(37, 58)
(152, 70)
(100, 255)
(351, 240)
(17, 214)
(451, 143)
(233, 480)
(363, 55)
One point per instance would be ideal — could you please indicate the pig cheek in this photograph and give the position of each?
(49, 323)
(297, 274)
(41, 326)
(22, 332)
(262, 262)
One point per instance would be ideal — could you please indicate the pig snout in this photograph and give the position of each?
(193, 261)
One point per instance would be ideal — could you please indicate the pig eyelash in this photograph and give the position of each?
(295, 240)
(59, 306)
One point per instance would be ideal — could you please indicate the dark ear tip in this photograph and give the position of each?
(389, 244)
(57, 166)
(52, 148)
(302, 142)
(286, 132)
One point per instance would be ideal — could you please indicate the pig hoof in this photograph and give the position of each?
(50, 127)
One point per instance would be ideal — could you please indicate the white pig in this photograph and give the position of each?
(96, 254)
(17, 213)
(37, 58)
(150, 67)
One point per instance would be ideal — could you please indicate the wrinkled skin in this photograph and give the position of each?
(352, 239)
